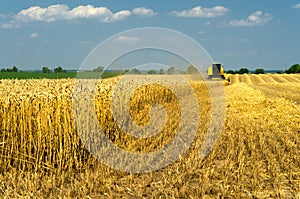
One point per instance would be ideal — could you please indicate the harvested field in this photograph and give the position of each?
(276, 85)
(256, 156)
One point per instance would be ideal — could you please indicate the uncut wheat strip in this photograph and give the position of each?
(279, 78)
(246, 79)
(35, 91)
(291, 87)
(256, 79)
(234, 79)
(296, 76)
(287, 91)
(267, 78)
(272, 77)
(290, 78)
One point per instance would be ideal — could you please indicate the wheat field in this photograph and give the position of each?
(256, 156)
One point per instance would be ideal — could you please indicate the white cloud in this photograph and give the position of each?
(34, 35)
(257, 18)
(7, 26)
(63, 12)
(296, 6)
(144, 12)
(117, 16)
(88, 11)
(49, 14)
(202, 12)
(122, 38)
(202, 32)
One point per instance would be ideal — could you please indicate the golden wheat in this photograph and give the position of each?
(256, 156)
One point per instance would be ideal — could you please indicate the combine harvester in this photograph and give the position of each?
(216, 72)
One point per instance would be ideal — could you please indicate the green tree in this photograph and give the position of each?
(46, 70)
(162, 71)
(135, 71)
(151, 71)
(243, 71)
(259, 71)
(14, 69)
(295, 68)
(171, 70)
(59, 70)
(230, 72)
(99, 69)
(192, 69)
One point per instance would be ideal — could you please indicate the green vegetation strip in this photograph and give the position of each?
(62, 75)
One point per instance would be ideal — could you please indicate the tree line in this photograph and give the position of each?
(58, 69)
(13, 69)
(169, 71)
(295, 68)
(246, 71)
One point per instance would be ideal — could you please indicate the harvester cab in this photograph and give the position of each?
(216, 71)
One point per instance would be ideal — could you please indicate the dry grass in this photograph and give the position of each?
(256, 156)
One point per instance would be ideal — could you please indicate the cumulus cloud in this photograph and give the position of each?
(122, 38)
(117, 16)
(296, 6)
(36, 13)
(257, 18)
(63, 12)
(34, 35)
(200, 12)
(144, 12)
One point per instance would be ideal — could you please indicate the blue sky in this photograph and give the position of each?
(237, 33)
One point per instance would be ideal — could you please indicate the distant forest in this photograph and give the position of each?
(59, 72)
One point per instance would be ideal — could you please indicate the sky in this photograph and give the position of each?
(236, 33)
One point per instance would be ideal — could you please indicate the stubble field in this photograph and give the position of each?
(256, 156)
